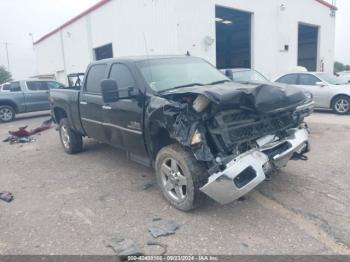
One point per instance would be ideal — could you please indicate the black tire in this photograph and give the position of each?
(336, 105)
(7, 113)
(195, 173)
(71, 141)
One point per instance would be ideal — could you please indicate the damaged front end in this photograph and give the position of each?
(241, 132)
(249, 169)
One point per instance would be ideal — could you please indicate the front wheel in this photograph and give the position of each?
(180, 177)
(7, 113)
(341, 105)
(71, 141)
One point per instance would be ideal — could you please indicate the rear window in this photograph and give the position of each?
(6, 87)
(37, 86)
(94, 77)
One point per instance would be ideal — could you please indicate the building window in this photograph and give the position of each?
(103, 52)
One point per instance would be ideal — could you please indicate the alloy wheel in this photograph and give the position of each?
(173, 179)
(342, 105)
(65, 137)
(6, 114)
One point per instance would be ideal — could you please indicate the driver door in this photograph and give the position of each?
(123, 120)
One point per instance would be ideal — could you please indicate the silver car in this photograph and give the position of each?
(329, 91)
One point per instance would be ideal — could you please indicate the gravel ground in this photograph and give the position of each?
(72, 204)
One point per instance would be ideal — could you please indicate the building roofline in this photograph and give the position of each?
(103, 2)
(71, 21)
(323, 2)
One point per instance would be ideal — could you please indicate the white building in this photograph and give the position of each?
(272, 36)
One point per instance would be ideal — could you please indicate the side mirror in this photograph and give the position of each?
(229, 74)
(109, 89)
(321, 84)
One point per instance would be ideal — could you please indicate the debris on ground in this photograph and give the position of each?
(6, 196)
(148, 185)
(163, 246)
(162, 228)
(22, 135)
(123, 247)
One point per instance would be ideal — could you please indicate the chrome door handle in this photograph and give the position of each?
(83, 103)
(106, 107)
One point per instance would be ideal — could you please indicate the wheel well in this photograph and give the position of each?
(336, 96)
(9, 103)
(59, 114)
(160, 139)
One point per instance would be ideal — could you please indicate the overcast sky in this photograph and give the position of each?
(18, 18)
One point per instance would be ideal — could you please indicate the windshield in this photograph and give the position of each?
(248, 76)
(331, 79)
(170, 73)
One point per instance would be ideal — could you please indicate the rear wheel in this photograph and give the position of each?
(341, 105)
(7, 113)
(180, 177)
(71, 141)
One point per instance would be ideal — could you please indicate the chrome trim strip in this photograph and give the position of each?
(106, 107)
(111, 125)
(123, 128)
(91, 121)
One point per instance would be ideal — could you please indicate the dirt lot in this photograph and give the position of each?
(70, 204)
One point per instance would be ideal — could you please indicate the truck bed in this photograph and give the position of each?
(68, 100)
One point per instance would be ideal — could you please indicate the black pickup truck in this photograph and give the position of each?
(203, 134)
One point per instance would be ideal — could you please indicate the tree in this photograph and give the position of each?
(338, 67)
(5, 76)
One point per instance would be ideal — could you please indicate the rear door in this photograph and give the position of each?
(91, 102)
(36, 96)
(123, 119)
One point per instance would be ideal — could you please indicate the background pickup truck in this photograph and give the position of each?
(25, 96)
(203, 134)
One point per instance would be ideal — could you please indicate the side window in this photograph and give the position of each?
(122, 75)
(15, 87)
(6, 87)
(308, 80)
(288, 79)
(37, 86)
(94, 77)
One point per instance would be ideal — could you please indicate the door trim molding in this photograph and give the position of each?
(112, 125)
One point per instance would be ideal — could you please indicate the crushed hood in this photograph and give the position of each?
(262, 98)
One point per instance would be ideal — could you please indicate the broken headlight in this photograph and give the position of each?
(196, 138)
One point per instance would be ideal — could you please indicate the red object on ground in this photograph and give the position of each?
(22, 132)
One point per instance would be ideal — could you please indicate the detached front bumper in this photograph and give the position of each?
(248, 170)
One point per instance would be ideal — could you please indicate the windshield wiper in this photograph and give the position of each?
(219, 82)
(176, 87)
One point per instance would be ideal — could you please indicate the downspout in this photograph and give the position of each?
(63, 53)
